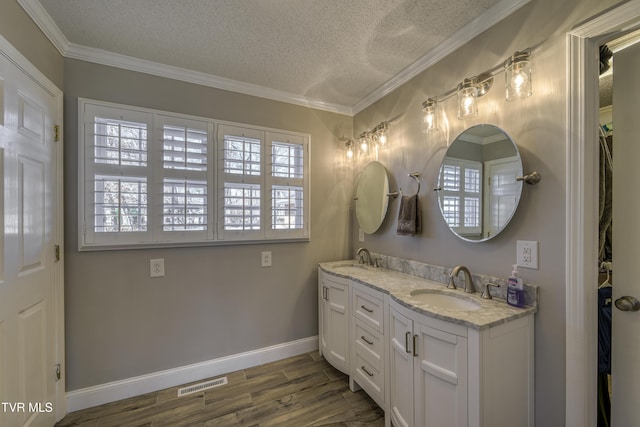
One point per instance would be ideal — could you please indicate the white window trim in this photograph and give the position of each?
(155, 235)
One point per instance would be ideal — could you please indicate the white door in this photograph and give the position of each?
(625, 369)
(338, 324)
(27, 279)
(504, 193)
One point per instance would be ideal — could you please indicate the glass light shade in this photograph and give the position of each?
(349, 147)
(430, 119)
(382, 138)
(467, 94)
(518, 76)
(364, 145)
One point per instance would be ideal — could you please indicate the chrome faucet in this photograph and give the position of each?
(366, 251)
(468, 281)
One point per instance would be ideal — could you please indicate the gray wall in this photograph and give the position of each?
(20, 30)
(538, 126)
(213, 301)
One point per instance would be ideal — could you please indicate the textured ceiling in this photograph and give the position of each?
(337, 51)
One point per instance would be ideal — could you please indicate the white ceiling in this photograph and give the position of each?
(338, 55)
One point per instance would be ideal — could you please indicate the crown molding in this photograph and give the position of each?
(43, 20)
(117, 60)
(489, 18)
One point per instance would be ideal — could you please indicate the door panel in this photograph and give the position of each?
(625, 370)
(401, 369)
(27, 286)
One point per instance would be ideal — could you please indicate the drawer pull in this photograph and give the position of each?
(366, 371)
(415, 346)
(406, 342)
(367, 309)
(366, 340)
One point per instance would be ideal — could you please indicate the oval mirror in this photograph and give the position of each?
(477, 188)
(371, 197)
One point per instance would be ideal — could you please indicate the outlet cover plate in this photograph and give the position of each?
(527, 254)
(265, 259)
(156, 267)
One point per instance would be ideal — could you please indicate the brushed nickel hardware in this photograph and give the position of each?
(58, 372)
(367, 309)
(366, 371)
(415, 176)
(532, 178)
(415, 346)
(56, 133)
(627, 303)
(406, 342)
(366, 251)
(486, 294)
(468, 281)
(56, 255)
(366, 340)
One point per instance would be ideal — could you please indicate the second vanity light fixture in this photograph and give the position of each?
(517, 71)
(369, 140)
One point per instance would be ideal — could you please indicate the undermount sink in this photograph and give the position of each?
(445, 301)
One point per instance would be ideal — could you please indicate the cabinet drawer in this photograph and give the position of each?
(369, 378)
(367, 306)
(369, 345)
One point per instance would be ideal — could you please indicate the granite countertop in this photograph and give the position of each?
(399, 286)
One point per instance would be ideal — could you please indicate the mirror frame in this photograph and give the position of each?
(517, 186)
(372, 197)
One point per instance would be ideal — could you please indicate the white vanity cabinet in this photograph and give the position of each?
(333, 313)
(368, 341)
(447, 374)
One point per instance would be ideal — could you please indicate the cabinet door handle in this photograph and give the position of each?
(367, 309)
(326, 293)
(415, 346)
(366, 371)
(366, 340)
(406, 342)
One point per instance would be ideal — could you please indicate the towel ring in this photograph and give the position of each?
(413, 175)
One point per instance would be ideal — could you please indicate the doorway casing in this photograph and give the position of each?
(581, 255)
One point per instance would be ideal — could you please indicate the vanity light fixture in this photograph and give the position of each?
(368, 141)
(430, 119)
(518, 76)
(517, 69)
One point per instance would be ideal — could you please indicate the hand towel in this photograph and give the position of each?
(409, 216)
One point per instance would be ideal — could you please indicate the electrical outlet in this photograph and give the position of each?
(527, 254)
(266, 259)
(156, 267)
(360, 235)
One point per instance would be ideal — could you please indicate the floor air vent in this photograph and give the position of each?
(202, 386)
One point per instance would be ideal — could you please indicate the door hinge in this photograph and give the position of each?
(58, 372)
(57, 253)
(56, 133)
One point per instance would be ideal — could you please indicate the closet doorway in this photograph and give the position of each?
(582, 228)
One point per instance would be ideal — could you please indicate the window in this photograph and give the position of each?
(155, 178)
(461, 185)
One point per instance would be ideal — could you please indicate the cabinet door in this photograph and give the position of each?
(337, 324)
(440, 386)
(401, 369)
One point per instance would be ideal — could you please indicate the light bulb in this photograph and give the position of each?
(430, 119)
(382, 138)
(517, 76)
(349, 153)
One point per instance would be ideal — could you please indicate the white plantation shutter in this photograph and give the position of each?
(241, 187)
(460, 195)
(184, 179)
(116, 175)
(287, 181)
(152, 178)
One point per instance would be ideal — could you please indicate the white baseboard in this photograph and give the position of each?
(118, 390)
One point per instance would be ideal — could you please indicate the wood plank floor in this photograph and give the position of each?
(299, 391)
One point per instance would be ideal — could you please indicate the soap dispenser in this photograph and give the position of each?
(515, 289)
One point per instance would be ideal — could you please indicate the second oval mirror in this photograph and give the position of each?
(478, 191)
(371, 197)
